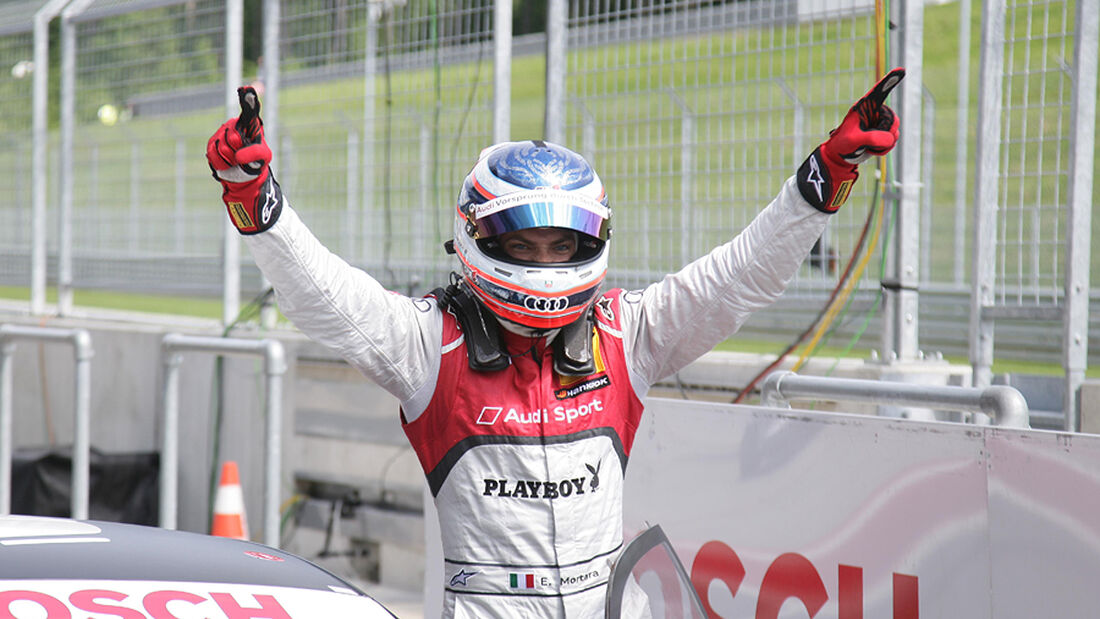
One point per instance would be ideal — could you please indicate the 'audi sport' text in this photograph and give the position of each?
(568, 414)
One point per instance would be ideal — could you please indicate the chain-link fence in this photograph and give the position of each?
(16, 68)
(385, 107)
(694, 111)
(148, 82)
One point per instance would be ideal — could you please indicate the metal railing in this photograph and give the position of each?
(1005, 405)
(82, 350)
(275, 366)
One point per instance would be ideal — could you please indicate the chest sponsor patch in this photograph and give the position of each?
(592, 384)
(541, 489)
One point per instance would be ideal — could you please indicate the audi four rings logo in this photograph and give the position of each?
(546, 305)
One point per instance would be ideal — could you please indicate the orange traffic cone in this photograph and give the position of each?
(229, 519)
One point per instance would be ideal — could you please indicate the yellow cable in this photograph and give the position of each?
(840, 300)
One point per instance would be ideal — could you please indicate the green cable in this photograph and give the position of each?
(875, 305)
(247, 313)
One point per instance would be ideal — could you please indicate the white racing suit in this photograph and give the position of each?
(526, 466)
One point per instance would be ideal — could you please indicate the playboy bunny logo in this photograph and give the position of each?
(595, 481)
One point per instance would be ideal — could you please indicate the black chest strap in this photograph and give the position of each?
(485, 349)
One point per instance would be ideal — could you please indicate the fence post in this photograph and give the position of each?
(351, 201)
(40, 122)
(231, 243)
(900, 321)
(689, 234)
(1078, 244)
(65, 206)
(370, 71)
(962, 140)
(928, 157)
(502, 70)
(180, 227)
(982, 278)
(554, 124)
(82, 355)
(274, 367)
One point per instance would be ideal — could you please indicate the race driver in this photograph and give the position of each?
(521, 383)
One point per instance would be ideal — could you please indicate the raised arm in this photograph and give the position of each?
(390, 338)
(674, 321)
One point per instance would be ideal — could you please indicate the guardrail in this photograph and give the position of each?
(1004, 404)
(275, 366)
(82, 352)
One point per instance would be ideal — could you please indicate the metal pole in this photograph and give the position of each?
(270, 72)
(962, 140)
(40, 123)
(133, 227)
(554, 122)
(231, 248)
(928, 156)
(82, 351)
(370, 62)
(82, 426)
(1005, 405)
(65, 214)
(274, 368)
(688, 225)
(180, 229)
(502, 70)
(351, 188)
(983, 276)
(1078, 246)
(902, 301)
(7, 349)
(169, 445)
(425, 185)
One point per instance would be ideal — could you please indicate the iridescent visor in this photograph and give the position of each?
(542, 209)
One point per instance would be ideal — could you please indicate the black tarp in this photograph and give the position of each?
(123, 487)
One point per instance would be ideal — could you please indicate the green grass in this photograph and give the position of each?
(656, 67)
(156, 304)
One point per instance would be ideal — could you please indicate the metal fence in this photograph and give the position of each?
(694, 111)
(147, 81)
(17, 60)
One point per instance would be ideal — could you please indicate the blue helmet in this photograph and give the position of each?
(533, 184)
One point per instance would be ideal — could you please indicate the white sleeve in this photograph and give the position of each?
(390, 338)
(671, 323)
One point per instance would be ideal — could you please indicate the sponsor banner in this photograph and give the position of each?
(844, 516)
(793, 513)
(64, 599)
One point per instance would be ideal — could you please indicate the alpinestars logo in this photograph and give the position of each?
(461, 578)
(539, 489)
(604, 305)
(815, 178)
(271, 200)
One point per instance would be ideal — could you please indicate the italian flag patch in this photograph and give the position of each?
(522, 581)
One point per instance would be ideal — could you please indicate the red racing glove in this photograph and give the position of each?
(870, 128)
(239, 159)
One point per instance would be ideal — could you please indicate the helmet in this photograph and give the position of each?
(534, 184)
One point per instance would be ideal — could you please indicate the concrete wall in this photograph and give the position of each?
(337, 426)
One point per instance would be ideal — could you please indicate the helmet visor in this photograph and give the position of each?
(542, 209)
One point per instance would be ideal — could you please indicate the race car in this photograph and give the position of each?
(58, 568)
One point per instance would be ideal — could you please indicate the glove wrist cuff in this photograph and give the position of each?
(825, 182)
(257, 209)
